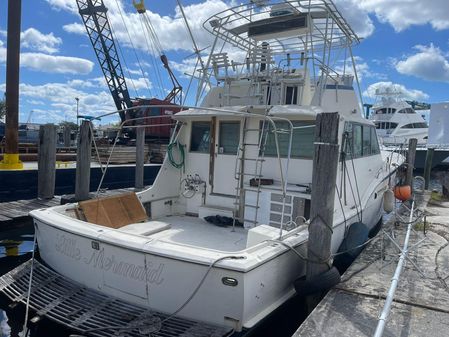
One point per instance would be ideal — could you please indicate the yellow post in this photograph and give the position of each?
(11, 161)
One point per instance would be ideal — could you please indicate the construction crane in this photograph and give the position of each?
(175, 95)
(95, 19)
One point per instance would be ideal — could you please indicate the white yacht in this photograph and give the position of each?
(396, 120)
(243, 160)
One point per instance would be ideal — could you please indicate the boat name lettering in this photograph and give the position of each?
(151, 274)
(67, 246)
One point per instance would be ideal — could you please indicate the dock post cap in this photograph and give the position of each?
(11, 161)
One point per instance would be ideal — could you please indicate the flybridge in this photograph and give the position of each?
(288, 26)
(292, 52)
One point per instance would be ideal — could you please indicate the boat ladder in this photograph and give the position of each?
(257, 159)
(240, 172)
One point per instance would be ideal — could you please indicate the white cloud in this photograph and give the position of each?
(35, 102)
(403, 14)
(60, 103)
(35, 40)
(362, 68)
(56, 64)
(356, 16)
(171, 30)
(67, 5)
(75, 28)
(2, 52)
(49, 63)
(428, 63)
(139, 83)
(98, 82)
(406, 93)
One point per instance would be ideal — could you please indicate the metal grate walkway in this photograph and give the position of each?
(91, 312)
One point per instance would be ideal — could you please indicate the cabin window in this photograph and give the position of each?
(419, 125)
(366, 141)
(291, 95)
(357, 140)
(229, 137)
(374, 142)
(200, 137)
(302, 142)
(414, 126)
(393, 125)
(360, 140)
(406, 111)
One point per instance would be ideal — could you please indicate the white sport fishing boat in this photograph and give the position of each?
(396, 120)
(244, 161)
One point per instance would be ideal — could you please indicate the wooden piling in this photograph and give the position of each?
(67, 134)
(46, 162)
(140, 157)
(11, 159)
(428, 167)
(411, 161)
(323, 193)
(83, 157)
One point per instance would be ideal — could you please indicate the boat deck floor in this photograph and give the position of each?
(195, 231)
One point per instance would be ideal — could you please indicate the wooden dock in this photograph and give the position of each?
(14, 211)
(421, 303)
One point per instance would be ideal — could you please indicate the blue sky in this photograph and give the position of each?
(405, 43)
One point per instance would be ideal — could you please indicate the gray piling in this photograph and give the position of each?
(322, 199)
(428, 167)
(46, 162)
(411, 161)
(83, 158)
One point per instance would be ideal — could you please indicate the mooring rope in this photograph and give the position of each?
(27, 306)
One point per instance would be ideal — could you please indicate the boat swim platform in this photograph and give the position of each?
(421, 303)
(91, 313)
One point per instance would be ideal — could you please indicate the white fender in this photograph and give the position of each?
(388, 201)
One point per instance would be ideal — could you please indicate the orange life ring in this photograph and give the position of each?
(403, 193)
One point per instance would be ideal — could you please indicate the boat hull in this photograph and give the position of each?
(164, 284)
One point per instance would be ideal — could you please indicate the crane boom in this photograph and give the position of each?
(95, 19)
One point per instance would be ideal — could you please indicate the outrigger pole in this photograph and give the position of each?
(11, 156)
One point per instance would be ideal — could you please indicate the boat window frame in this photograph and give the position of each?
(219, 138)
(203, 151)
(349, 130)
(291, 98)
(292, 155)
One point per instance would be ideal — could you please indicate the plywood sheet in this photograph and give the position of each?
(114, 211)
